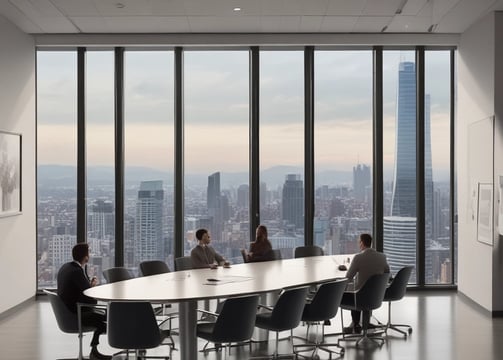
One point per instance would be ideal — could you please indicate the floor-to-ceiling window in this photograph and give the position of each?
(343, 149)
(216, 95)
(56, 161)
(282, 148)
(148, 156)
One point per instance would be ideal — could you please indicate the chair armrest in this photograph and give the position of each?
(207, 312)
(268, 307)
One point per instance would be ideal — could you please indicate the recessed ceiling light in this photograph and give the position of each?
(237, 9)
(120, 5)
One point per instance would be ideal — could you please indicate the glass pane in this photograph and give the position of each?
(399, 159)
(149, 149)
(216, 149)
(343, 149)
(100, 160)
(437, 164)
(57, 160)
(282, 148)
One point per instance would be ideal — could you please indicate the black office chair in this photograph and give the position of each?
(277, 254)
(115, 274)
(396, 291)
(323, 306)
(243, 254)
(285, 315)
(369, 297)
(153, 267)
(234, 323)
(183, 263)
(68, 322)
(307, 251)
(133, 326)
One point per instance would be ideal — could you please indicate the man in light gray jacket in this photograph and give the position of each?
(366, 263)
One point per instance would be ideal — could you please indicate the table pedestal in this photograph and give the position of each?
(188, 323)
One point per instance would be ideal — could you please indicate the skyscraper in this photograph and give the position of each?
(400, 227)
(293, 201)
(148, 244)
(214, 204)
(361, 181)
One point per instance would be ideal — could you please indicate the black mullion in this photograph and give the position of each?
(420, 171)
(308, 145)
(119, 155)
(452, 192)
(254, 145)
(377, 166)
(81, 146)
(179, 166)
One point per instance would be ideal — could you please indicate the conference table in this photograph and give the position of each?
(189, 286)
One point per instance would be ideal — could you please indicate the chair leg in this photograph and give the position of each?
(374, 337)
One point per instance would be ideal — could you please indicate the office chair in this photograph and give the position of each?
(153, 267)
(369, 297)
(396, 291)
(115, 274)
(307, 251)
(183, 263)
(133, 326)
(285, 315)
(68, 322)
(277, 254)
(243, 254)
(234, 324)
(323, 306)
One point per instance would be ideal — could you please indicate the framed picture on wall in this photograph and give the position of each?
(10, 173)
(485, 213)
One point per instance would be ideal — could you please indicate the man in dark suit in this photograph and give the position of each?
(366, 263)
(72, 281)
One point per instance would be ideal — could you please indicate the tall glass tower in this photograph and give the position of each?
(400, 227)
(293, 201)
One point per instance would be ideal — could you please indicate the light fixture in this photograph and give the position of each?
(237, 9)
(120, 5)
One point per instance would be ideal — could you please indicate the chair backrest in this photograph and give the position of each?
(67, 320)
(236, 320)
(183, 263)
(325, 302)
(117, 274)
(398, 286)
(243, 254)
(371, 294)
(306, 251)
(287, 312)
(132, 325)
(153, 267)
(277, 254)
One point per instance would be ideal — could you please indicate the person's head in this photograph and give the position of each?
(261, 233)
(203, 236)
(80, 253)
(365, 241)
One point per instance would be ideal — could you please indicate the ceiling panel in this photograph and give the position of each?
(133, 24)
(168, 8)
(280, 24)
(240, 24)
(371, 23)
(413, 7)
(17, 17)
(76, 7)
(131, 7)
(345, 7)
(404, 24)
(381, 7)
(338, 23)
(221, 7)
(310, 23)
(463, 14)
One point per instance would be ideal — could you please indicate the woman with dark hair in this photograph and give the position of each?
(261, 248)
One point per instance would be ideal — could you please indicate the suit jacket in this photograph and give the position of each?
(261, 251)
(204, 256)
(71, 284)
(365, 264)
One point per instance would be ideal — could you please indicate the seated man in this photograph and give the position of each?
(366, 263)
(72, 281)
(203, 255)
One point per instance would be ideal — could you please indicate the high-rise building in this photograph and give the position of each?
(293, 201)
(400, 227)
(213, 193)
(148, 244)
(101, 221)
(361, 181)
(243, 196)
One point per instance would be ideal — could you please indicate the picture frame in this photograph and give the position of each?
(485, 213)
(10, 173)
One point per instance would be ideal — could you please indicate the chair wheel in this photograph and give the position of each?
(410, 331)
(342, 352)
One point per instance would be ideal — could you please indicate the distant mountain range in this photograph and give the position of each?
(66, 176)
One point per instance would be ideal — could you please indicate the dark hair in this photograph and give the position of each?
(200, 233)
(80, 251)
(366, 239)
(262, 235)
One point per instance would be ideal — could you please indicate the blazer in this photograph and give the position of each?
(365, 264)
(261, 251)
(72, 281)
(204, 257)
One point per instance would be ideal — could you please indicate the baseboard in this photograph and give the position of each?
(477, 306)
(16, 308)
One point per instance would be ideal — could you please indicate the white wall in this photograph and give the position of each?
(17, 104)
(480, 90)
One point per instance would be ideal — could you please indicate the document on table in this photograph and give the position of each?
(225, 279)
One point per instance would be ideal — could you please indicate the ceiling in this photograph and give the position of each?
(254, 16)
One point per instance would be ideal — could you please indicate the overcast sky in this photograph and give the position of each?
(216, 108)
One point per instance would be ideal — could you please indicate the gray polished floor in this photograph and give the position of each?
(446, 326)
